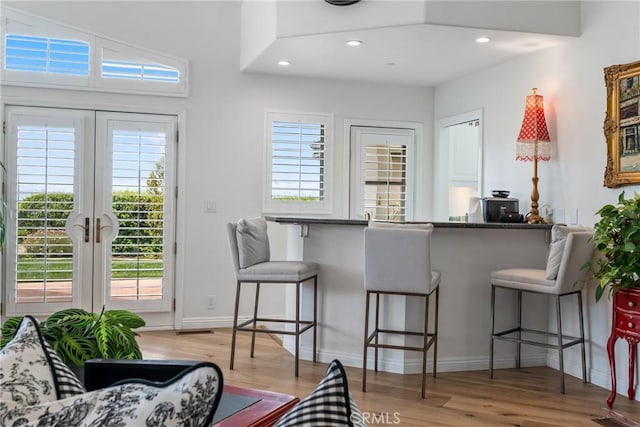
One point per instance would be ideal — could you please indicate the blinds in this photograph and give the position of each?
(138, 187)
(112, 69)
(298, 161)
(385, 181)
(46, 55)
(45, 192)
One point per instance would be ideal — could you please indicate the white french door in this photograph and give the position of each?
(91, 207)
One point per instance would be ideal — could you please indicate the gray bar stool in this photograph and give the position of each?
(251, 259)
(564, 275)
(398, 262)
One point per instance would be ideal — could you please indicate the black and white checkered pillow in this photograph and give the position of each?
(330, 404)
(66, 382)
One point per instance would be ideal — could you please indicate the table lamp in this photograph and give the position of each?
(534, 145)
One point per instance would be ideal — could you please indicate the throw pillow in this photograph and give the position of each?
(253, 242)
(189, 399)
(330, 404)
(31, 373)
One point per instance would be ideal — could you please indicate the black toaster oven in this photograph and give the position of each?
(493, 207)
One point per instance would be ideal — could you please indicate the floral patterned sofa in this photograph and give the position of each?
(38, 389)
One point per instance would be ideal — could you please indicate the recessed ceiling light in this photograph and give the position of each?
(284, 63)
(483, 40)
(354, 42)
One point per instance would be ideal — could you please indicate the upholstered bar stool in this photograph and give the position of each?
(398, 262)
(564, 275)
(251, 259)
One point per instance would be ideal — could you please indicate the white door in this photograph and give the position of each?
(382, 173)
(91, 204)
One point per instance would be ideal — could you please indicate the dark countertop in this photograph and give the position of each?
(336, 221)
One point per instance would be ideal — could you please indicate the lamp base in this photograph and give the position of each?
(536, 219)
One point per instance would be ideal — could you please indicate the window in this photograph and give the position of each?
(136, 71)
(298, 158)
(46, 55)
(385, 182)
(41, 52)
(382, 173)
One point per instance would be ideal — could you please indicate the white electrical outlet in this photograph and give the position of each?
(211, 302)
(210, 206)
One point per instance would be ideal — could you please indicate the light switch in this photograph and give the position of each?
(210, 206)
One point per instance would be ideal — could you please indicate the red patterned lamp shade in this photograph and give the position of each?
(533, 141)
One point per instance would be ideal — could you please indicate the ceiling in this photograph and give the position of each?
(419, 54)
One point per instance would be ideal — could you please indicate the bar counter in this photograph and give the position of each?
(464, 253)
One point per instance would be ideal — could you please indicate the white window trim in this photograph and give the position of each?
(291, 207)
(39, 26)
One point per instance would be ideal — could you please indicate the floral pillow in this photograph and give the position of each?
(189, 399)
(31, 372)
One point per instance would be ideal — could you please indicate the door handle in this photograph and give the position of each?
(86, 229)
(98, 228)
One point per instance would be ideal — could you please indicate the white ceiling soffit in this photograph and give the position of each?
(421, 43)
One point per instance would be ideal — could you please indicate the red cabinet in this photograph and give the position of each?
(625, 324)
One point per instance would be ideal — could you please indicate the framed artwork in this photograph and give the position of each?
(622, 125)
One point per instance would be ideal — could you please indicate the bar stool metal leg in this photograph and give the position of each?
(519, 317)
(298, 285)
(235, 325)
(425, 343)
(255, 316)
(560, 350)
(366, 342)
(376, 331)
(584, 358)
(315, 317)
(493, 329)
(435, 332)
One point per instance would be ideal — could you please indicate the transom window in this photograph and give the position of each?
(40, 52)
(46, 55)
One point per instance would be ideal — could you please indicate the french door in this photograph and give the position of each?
(91, 205)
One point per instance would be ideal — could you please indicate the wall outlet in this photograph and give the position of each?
(211, 302)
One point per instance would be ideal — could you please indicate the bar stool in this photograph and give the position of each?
(564, 275)
(251, 259)
(398, 262)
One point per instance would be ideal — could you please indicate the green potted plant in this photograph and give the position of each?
(617, 238)
(78, 335)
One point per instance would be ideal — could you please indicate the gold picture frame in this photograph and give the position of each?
(622, 125)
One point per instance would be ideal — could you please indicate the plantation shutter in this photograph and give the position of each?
(297, 159)
(385, 185)
(136, 203)
(298, 153)
(44, 189)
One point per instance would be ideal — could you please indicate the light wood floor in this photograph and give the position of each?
(528, 397)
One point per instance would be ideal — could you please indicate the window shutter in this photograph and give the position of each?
(385, 186)
(45, 192)
(138, 188)
(46, 55)
(298, 153)
(297, 158)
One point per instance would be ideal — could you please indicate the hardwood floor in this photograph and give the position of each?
(528, 397)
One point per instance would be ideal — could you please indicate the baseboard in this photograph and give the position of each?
(215, 322)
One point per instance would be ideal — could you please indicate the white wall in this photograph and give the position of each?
(224, 129)
(571, 80)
